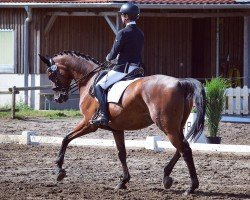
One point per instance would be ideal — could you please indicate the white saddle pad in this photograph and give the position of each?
(117, 90)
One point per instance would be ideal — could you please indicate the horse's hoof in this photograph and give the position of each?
(188, 192)
(121, 186)
(167, 182)
(61, 175)
(194, 186)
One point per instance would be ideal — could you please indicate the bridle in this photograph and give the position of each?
(54, 73)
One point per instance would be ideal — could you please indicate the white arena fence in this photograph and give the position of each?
(154, 143)
(237, 101)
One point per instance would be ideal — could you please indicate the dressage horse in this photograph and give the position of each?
(159, 99)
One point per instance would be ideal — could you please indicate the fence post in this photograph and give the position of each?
(13, 106)
(224, 111)
(237, 94)
(230, 101)
(245, 95)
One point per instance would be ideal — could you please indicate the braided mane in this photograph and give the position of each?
(78, 54)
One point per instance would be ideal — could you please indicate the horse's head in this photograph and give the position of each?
(60, 77)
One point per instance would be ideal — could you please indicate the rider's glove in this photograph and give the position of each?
(107, 58)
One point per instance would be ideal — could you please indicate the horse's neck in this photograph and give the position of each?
(85, 75)
(85, 85)
(81, 69)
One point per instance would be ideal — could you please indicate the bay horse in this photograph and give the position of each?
(163, 100)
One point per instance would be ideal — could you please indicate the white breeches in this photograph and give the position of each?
(113, 76)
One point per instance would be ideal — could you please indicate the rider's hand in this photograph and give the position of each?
(107, 58)
(114, 61)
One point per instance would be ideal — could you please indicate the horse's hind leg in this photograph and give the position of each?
(184, 149)
(176, 137)
(120, 144)
(81, 129)
(167, 180)
(188, 158)
(174, 131)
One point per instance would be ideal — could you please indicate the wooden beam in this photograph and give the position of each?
(50, 24)
(117, 22)
(13, 105)
(197, 15)
(5, 92)
(246, 46)
(217, 46)
(111, 24)
(83, 14)
(151, 14)
(38, 48)
(17, 89)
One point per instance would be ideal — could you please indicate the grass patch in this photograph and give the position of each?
(24, 111)
(51, 114)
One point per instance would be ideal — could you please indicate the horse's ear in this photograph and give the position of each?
(45, 60)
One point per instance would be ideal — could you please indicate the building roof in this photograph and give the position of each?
(145, 3)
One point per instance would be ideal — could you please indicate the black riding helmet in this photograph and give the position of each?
(131, 10)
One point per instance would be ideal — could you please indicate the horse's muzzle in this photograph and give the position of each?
(61, 97)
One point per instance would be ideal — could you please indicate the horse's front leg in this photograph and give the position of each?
(120, 144)
(82, 129)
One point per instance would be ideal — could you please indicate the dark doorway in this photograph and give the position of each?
(201, 48)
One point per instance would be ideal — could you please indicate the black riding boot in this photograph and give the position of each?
(101, 95)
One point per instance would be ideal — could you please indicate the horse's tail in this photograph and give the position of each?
(194, 90)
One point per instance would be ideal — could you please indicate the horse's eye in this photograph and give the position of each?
(51, 75)
(55, 88)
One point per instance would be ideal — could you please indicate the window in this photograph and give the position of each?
(6, 51)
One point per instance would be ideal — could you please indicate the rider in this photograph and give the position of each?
(126, 51)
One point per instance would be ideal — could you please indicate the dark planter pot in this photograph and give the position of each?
(214, 140)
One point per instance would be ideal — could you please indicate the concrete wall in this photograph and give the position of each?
(9, 80)
(35, 99)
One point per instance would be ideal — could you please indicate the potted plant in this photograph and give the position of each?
(215, 96)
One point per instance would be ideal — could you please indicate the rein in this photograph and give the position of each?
(104, 65)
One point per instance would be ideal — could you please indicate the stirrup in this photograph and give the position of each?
(101, 120)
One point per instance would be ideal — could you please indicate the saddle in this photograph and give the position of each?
(136, 73)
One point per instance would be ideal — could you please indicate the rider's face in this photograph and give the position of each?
(124, 18)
